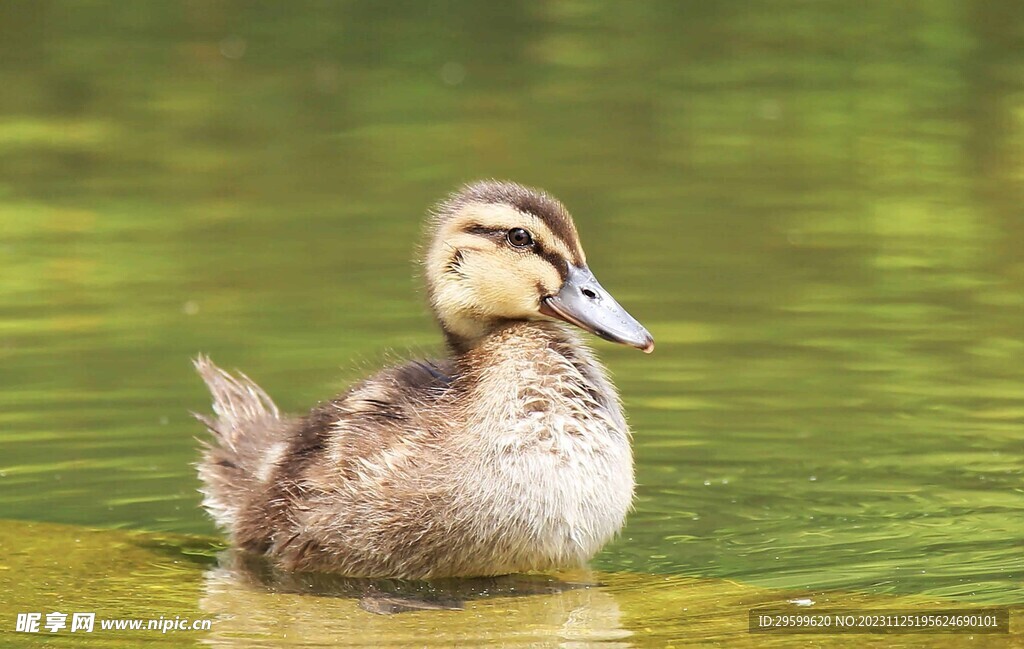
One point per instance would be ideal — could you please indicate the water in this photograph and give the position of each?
(814, 207)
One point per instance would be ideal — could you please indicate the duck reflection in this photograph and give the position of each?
(253, 602)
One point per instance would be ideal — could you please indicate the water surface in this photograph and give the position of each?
(814, 207)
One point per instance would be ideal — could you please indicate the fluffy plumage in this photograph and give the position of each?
(511, 455)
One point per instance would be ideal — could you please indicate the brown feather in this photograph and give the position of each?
(513, 455)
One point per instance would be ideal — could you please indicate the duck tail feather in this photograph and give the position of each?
(238, 402)
(245, 425)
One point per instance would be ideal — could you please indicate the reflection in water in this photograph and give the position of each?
(142, 575)
(449, 593)
(250, 602)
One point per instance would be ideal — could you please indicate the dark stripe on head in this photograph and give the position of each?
(484, 231)
(498, 235)
(454, 264)
(561, 265)
(527, 200)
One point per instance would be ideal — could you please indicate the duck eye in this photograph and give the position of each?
(519, 238)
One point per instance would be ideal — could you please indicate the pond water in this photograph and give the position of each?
(814, 207)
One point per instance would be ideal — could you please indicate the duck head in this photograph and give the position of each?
(499, 252)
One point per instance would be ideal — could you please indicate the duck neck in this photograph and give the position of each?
(512, 337)
(539, 359)
(464, 335)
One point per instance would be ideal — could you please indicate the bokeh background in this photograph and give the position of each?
(815, 207)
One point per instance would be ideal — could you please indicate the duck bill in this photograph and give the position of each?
(583, 302)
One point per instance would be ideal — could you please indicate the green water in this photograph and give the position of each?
(815, 208)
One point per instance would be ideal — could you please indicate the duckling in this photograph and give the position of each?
(511, 455)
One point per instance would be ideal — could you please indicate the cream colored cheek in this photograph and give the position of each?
(509, 300)
(509, 288)
(493, 284)
(548, 278)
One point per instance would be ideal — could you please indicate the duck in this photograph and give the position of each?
(511, 454)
